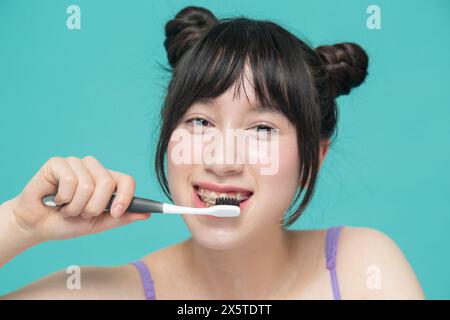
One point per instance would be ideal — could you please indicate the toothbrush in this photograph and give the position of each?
(225, 207)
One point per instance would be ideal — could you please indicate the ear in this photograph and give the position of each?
(324, 147)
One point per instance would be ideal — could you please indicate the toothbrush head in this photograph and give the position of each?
(226, 207)
(224, 211)
(227, 201)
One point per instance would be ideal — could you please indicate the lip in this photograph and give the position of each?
(223, 188)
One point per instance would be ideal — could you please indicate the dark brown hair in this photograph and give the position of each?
(207, 56)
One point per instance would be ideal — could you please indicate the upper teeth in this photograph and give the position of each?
(211, 196)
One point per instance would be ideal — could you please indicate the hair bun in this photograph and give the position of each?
(185, 29)
(346, 64)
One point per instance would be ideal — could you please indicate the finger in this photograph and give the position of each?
(60, 174)
(84, 189)
(106, 221)
(126, 187)
(104, 187)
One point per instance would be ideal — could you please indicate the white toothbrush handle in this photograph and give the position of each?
(174, 209)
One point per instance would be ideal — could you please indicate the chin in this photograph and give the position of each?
(215, 234)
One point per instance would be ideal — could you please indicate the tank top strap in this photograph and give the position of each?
(331, 246)
(146, 279)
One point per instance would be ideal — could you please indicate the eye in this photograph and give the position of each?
(264, 128)
(197, 122)
(261, 128)
(263, 131)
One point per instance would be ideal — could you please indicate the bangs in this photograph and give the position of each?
(234, 51)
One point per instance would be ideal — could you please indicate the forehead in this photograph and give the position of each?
(241, 95)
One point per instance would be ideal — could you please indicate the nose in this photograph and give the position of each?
(224, 169)
(225, 161)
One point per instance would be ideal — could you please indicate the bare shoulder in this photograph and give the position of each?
(84, 282)
(370, 265)
(167, 266)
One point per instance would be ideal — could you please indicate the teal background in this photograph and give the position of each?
(99, 90)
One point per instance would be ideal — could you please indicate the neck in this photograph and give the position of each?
(260, 268)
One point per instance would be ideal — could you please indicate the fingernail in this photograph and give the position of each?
(118, 210)
(141, 216)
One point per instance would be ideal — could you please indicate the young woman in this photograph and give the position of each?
(229, 74)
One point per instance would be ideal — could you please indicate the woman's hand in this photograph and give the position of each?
(84, 188)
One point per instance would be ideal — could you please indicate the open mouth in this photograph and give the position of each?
(204, 198)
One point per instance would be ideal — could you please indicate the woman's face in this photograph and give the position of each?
(272, 190)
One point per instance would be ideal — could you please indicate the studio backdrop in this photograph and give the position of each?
(94, 83)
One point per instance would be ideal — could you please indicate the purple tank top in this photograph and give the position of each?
(331, 245)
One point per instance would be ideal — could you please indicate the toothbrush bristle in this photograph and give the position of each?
(227, 201)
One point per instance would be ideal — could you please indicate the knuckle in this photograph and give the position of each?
(54, 159)
(70, 179)
(129, 180)
(107, 182)
(89, 158)
(72, 158)
(53, 162)
(87, 187)
(91, 211)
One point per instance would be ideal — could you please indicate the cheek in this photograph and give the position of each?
(178, 178)
(287, 175)
(278, 189)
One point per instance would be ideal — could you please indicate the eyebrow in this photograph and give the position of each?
(265, 108)
(258, 109)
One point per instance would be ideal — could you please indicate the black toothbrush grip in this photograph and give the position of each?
(140, 205)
